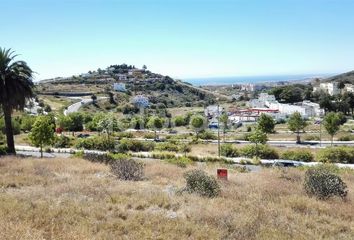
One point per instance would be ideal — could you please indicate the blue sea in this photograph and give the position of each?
(251, 79)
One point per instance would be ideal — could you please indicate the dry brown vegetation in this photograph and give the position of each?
(76, 199)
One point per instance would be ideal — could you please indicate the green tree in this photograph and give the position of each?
(331, 123)
(42, 133)
(109, 124)
(266, 123)
(297, 124)
(15, 88)
(197, 123)
(258, 137)
(156, 124)
(27, 122)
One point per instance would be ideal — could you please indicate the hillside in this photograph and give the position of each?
(158, 88)
(347, 77)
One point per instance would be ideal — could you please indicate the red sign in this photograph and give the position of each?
(222, 174)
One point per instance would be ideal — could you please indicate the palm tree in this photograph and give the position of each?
(15, 88)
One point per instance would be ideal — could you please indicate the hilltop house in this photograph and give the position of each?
(331, 88)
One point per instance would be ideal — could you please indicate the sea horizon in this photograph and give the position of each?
(203, 81)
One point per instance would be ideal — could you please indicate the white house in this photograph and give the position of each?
(121, 77)
(331, 88)
(306, 108)
(349, 88)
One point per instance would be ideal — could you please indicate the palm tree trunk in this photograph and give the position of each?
(8, 129)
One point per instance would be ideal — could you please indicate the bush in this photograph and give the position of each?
(128, 169)
(121, 135)
(264, 151)
(102, 143)
(207, 135)
(346, 138)
(228, 150)
(149, 136)
(167, 146)
(180, 121)
(200, 183)
(298, 155)
(16, 127)
(312, 138)
(3, 150)
(323, 184)
(62, 142)
(163, 155)
(336, 155)
(104, 158)
(135, 146)
(180, 161)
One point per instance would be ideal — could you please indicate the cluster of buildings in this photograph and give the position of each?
(332, 88)
(306, 108)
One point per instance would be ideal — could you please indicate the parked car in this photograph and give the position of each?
(286, 163)
(83, 135)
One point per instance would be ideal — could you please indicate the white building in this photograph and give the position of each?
(264, 100)
(306, 108)
(249, 87)
(349, 88)
(331, 88)
(121, 77)
(120, 87)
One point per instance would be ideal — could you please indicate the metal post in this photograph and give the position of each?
(218, 130)
(320, 133)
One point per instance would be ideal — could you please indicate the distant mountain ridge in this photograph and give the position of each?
(347, 77)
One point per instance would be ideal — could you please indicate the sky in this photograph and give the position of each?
(181, 38)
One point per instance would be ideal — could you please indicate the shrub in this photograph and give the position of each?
(180, 161)
(207, 135)
(163, 155)
(167, 146)
(312, 138)
(62, 142)
(3, 150)
(298, 155)
(16, 127)
(128, 169)
(102, 143)
(346, 138)
(149, 136)
(264, 151)
(135, 146)
(200, 183)
(180, 121)
(323, 184)
(121, 135)
(228, 150)
(336, 155)
(104, 158)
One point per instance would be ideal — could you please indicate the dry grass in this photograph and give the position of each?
(76, 199)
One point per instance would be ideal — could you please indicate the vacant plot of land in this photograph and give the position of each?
(76, 199)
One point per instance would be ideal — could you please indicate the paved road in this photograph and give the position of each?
(312, 144)
(219, 95)
(76, 106)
